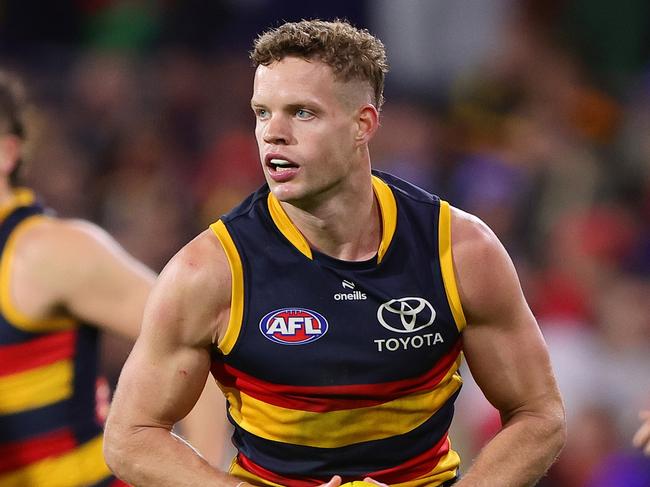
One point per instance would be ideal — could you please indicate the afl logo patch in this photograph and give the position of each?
(293, 326)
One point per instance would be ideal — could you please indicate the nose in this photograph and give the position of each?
(277, 130)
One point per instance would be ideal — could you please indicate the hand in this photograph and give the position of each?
(334, 482)
(642, 437)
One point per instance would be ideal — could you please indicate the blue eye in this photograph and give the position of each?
(303, 114)
(261, 113)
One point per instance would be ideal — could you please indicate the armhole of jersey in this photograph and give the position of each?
(447, 265)
(229, 338)
(7, 308)
(388, 209)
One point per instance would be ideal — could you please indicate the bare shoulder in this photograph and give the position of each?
(200, 264)
(487, 280)
(63, 237)
(48, 248)
(471, 235)
(194, 288)
(74, 249)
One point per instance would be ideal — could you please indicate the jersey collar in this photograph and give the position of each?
(21, 197)
(387, 208)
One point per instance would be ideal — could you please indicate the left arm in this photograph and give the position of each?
(507, 357)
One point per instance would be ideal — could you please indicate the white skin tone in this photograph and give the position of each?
(74, 268)
(71, 267)
(642, 436)
(320, 128)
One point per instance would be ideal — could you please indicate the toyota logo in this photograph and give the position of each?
(406, 315)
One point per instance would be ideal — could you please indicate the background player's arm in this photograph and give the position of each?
(76, 267)
(207, 428)
(508, 358)
(167, 370)
(642, 436)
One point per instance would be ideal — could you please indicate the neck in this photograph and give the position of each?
(346, 226)
(6, 193)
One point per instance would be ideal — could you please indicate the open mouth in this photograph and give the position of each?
(281, 165)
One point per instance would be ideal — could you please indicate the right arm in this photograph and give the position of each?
(163, 378)
(166, 372)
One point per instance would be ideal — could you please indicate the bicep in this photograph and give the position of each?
(509, 361)
(167, 369)
(159, 385)
(95, 279)
(502, 343)
(114, 290)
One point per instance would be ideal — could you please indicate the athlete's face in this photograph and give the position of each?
(306, 127)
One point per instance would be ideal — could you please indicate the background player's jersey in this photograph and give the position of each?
(334, 367)
(49, 434)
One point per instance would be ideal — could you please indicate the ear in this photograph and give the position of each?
(10, 146)
(367, 123)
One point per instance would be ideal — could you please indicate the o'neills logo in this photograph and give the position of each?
(353, 296)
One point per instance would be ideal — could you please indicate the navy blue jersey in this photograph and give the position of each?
(49, 433)
(336, 367)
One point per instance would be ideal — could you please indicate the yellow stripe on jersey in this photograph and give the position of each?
(82, 466)
(7, 308)
(229, 338)
(446, 469)
(21, 197)
(243, 474)
(447, 265)
(388, 208)
(340, 428)
(286, 226)
(36, 388)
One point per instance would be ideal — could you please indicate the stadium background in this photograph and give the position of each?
(532, 114)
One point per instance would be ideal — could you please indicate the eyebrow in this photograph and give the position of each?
(291, 106)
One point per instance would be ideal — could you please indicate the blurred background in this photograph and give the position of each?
(532, 114)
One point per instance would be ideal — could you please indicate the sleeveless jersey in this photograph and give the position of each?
(336, 367)
(49, 433)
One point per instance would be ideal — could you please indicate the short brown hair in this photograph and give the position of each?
(352, 53)
(13, 104)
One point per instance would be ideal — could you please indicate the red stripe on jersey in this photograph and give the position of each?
(18, 454)
(332, 398)
(36, 353)
(118, 483)
(265, 474)
(414, 468)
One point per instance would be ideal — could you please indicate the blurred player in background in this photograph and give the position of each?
(332, 306)
(61, 282)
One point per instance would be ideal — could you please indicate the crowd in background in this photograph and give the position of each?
(143, 125)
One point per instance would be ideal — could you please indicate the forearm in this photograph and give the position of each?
(156, 457)
(520, 454)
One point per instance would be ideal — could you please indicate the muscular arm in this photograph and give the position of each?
(167, 370)
(507, 356)
(75, 267)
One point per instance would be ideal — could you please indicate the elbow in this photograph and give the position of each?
(116, 451)
(558, 435)
(556, 428)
